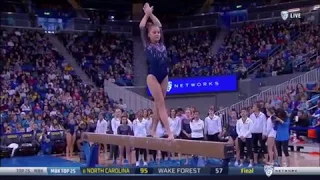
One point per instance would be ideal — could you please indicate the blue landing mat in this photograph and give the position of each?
(39, 161)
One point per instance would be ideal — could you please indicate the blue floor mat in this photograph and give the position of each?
(39, 161)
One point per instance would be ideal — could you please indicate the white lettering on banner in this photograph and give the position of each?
(198, 84)
(290, 15)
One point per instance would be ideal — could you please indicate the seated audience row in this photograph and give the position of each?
(190, 53)
(102, 55)
(39, 90)
(108, 56)
(300, 55)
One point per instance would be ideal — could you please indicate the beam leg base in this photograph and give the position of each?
(225, 162)
(91, 154)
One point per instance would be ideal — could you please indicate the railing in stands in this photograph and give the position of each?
(258, 63)
(279, 90)
(254, 66)
(274, 51)
(316, 98)
(134, 101)
(308, 56)
(313, 107)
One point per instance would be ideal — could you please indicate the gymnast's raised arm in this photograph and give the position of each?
(143, 23)
(156, 22)
(143, 29)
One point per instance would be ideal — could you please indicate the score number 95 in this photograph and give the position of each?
(144, 171)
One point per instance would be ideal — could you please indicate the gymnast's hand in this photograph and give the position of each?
(170, 136)
(243, 139)
(147, 9)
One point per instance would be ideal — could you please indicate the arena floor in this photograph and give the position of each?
(297, 160)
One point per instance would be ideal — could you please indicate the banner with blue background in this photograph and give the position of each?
(201, 85)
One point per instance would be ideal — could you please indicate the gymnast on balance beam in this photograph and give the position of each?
(157, 79)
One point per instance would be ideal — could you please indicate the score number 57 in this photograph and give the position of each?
(218, 170)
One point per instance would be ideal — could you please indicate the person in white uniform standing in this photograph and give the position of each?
(213, 126)
(244, 127)
(197, 127)
(102, 128)
(259, 121)
(140, 130)
(175, 127)
(271, 134)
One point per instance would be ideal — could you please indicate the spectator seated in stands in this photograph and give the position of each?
(302, 123)
(102, 56)
(303, 104)
(313, 90)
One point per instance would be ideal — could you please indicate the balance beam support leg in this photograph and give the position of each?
(91, 153)
(225, 162)
(86, 150)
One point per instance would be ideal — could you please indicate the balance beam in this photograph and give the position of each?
(219, 150)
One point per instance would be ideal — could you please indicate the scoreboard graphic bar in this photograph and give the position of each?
(23, 171)
(161, 171)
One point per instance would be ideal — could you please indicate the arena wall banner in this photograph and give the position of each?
(201, 85)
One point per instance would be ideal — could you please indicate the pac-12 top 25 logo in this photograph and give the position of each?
(292, 15)
(268, 169)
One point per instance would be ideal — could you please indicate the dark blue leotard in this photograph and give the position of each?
(157, 57)
(71, 127)
(232, 132)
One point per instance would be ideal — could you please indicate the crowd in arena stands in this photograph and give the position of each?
(190, 52)
(306, 50)
(254, 42)
(298, 56)
(39, 91)
(109, 56)
(102, 56)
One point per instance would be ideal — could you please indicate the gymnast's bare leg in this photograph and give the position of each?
(158, 92)
(155, 120)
